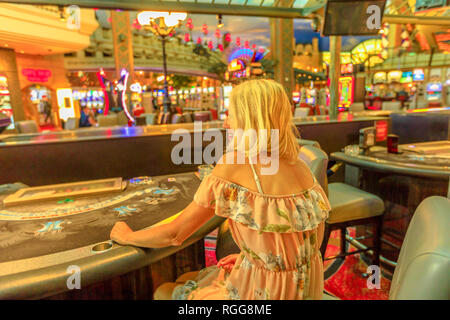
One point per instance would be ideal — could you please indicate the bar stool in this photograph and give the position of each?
(422, 266)
(351, 206)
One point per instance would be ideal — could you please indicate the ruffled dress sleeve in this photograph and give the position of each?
(264, 213)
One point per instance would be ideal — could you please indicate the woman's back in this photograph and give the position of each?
(288, 179)
(276, 226)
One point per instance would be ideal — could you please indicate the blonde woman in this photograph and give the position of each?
(276, 219)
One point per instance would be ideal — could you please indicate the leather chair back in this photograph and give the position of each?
(5, 121)
(301, 112)
(27, 126)
(317, 160)
(187, 117)
(149, 118)
(160, 118)
(107, 121)
(71, 124)
(122, 119)
(313, 143)
(391, 105)
(166, 118)
(176, 118)
(423, 266)
(202, 116)
(356, 107)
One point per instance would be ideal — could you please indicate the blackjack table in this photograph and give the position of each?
(50, 233)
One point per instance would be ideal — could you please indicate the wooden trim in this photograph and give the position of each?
(16, 198)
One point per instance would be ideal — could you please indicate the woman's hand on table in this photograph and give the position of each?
(228, 262)
(120, 233)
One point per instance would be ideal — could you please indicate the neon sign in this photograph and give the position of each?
(346, 68)
(346, 90)
(37, 75)
(136, 87)
(418, 75)
(124, 77)
(236, 65)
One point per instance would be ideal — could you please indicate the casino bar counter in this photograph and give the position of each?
(97, 153)
(403, 181)
(47, 245)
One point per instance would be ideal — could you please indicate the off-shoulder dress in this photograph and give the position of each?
(279, 240)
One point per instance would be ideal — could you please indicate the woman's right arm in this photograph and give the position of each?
(170, 234)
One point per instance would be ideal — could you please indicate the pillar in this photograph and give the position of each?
(123, 42)
(282, 48)
(335, 71)
(123, 47)
(8, 68)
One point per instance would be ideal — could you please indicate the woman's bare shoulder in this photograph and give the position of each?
(228, 165)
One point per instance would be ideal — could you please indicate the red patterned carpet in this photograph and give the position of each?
(347, 283)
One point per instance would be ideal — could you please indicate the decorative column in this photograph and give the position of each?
(123, 43)
(282, 47)
(335, 71)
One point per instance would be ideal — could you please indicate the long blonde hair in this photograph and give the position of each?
(263, 104)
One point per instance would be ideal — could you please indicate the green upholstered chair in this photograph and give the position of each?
(122, 119)
(187, 117)
(303, 142)
(422, 271)
(351, 206)
(71, 124)
(109, 120)
(423, 266)
(316, 159)
(27, 126)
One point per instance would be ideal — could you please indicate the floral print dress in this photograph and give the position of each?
(279, 242)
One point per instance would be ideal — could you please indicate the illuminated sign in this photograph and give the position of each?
(346, 68)
(435, 75)
(407, 77)
(443, 41)
(394, 76)
(136, 87)
(236, 65)
(381, 128)
(346, 90)
(37, 75)
(434, 87)
(422, 5)
(65, 103)
(379, 77)
(418, 75)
